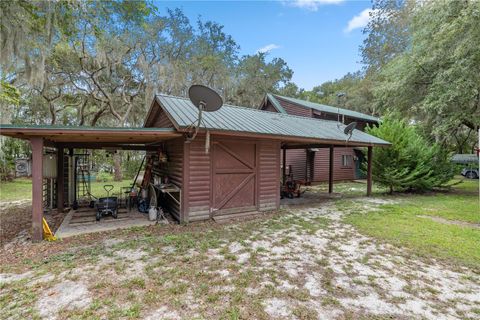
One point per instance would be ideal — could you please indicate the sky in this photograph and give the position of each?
(319, 39)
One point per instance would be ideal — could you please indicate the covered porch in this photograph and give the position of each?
(61, 141)
(331, 145)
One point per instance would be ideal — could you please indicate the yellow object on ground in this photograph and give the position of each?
(47, 233)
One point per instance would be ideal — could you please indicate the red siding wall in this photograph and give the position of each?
(269, 107)
(158, 118)
(162, 121)
(321, 165)
(174, 150)
(198, 180)
(293, 109)
(297, 159)
(269, 175)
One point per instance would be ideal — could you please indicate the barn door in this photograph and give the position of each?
(234, 177)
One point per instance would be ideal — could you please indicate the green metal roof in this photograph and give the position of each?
(250, 120)
(321, 108)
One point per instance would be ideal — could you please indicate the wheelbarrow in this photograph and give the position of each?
(107, 205)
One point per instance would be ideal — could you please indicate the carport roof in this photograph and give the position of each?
(89, 135)
(232, 119)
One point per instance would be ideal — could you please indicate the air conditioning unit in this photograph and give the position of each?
(23, 167)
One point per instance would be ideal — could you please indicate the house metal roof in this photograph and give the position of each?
(320, 107)
(249, 120)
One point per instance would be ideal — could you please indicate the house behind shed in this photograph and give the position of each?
(312, 164)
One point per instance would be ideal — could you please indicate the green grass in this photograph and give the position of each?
(18, 189)
(21, 188)
(400, 223)
(98, 191)
(452, 207)
(467, 185)
(349, 189)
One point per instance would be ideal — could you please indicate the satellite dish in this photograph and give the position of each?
(204, 98)
(349, 129)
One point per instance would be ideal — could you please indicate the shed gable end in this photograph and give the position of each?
(158, 118)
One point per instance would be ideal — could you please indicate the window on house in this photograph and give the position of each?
(347, 160)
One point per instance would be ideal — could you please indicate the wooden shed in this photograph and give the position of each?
(240, 174)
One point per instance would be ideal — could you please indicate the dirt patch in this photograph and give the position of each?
(15, 219)
(16, 222)
(11, 277)
(67, 295)
(163, 313)
(452, 222)
(277, 308)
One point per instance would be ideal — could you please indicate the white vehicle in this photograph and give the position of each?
(470, 173)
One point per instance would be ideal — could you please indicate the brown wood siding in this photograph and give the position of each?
(361, 124)
(321, 166)
(294, 109)
(199, 181)
(174, 150)
(269, 107)
(297, 159)
(158, 118)
(162, 120)
(269, 175)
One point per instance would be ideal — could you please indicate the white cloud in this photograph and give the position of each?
(268, 48)
(359, 21)
(311, 5)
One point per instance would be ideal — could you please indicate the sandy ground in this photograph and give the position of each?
(307, 264)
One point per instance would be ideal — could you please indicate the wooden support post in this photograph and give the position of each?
(284, 166)
(330, 171)
(37, 188)
(60, 182)
(369, 171)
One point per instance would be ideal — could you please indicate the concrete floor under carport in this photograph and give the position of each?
(82, 221)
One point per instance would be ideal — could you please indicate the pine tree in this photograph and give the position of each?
(412, 163)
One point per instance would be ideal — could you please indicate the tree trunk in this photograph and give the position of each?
(117, 167)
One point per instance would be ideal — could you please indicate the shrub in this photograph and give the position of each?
(103, 177)
(412, 163)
